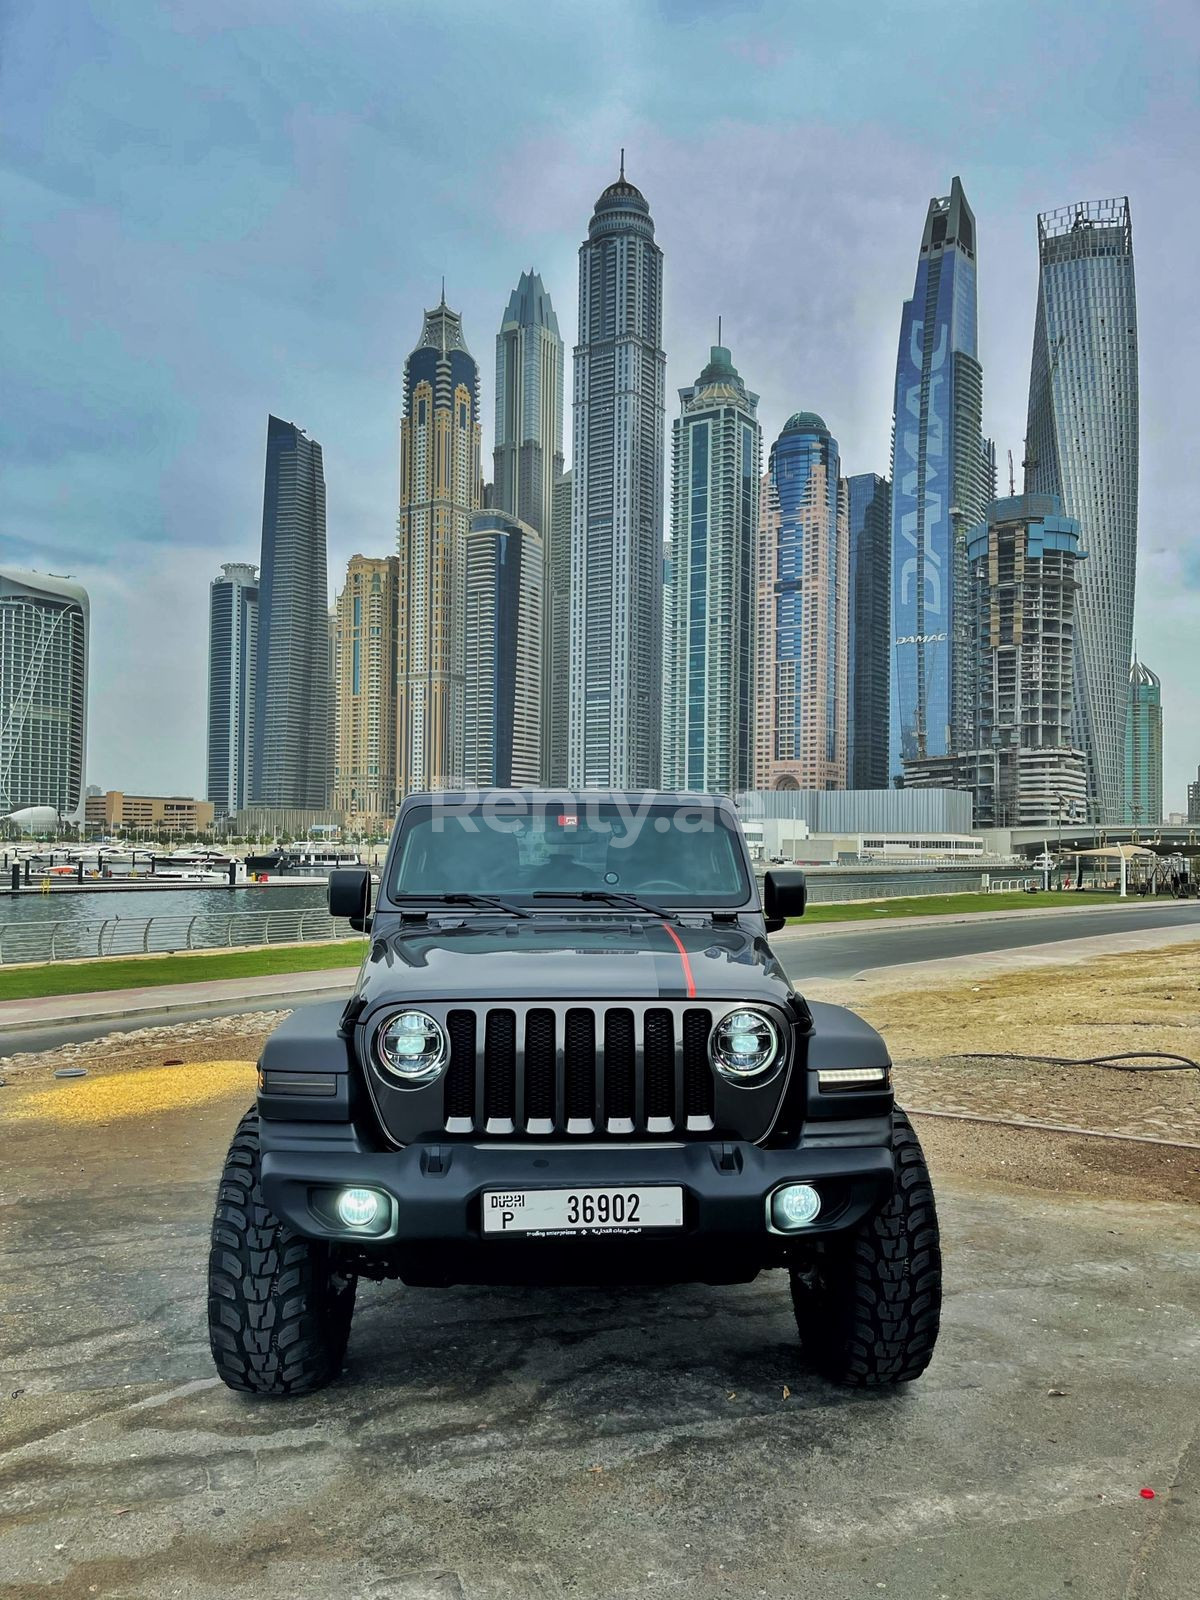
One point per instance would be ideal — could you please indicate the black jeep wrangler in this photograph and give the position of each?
(571, 1057)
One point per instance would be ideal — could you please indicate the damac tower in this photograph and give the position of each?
(1083, 445)
(616, 515)
(942, 479)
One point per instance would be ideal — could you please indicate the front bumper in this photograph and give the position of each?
(435, 1191)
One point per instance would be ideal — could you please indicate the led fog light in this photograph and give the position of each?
(794, 1206)
(358, 1208)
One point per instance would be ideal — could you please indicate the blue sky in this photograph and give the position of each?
(214, 211)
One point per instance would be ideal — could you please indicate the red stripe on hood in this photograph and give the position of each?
(683, 956)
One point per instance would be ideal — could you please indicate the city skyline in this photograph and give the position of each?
(328, 346)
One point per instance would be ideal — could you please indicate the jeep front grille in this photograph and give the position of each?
(615, 1070)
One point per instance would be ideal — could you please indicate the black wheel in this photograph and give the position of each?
(279, 1309)
(869, 1302)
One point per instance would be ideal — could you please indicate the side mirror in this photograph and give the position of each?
(350, 896)
(785, 894)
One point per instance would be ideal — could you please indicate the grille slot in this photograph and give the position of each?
(660, 1069)
(615, 1070)
(697, 1073)
(541, 1078)
(620, 1070)
(500, 1071)
(460, 1075)
(580, 1060)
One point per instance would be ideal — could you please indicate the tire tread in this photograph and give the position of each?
(279, 1312)
(870, 1309)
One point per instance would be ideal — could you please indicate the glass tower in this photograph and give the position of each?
(506, 586)
(440, 489)
(708, 704)
(44, 631)
(1082, 444)
(291, 692)
(232, 666)
(616, 518)
(556, 666)
(868, 501)
(941, 484)
(803, 569)
(528, 457)
(1143, 747)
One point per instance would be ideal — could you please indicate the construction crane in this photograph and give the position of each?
(1012, 486)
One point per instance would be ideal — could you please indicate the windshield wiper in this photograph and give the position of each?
(609, 897)
(487, 900)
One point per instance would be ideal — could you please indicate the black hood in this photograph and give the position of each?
(529, 960)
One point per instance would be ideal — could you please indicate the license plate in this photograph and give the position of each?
(592, 1211)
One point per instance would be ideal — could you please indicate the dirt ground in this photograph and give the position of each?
(1142, 1001)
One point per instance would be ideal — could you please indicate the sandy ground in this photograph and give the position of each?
(1142, 1001)
(489, 1445)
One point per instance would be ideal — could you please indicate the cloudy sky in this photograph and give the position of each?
(217, 210)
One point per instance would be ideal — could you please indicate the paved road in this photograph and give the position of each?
(832, 953)
(858, 948)
(540, 1445)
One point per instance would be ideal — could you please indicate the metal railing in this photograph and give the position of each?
(48, 939)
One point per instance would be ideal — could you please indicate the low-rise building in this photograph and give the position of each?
(118, 812)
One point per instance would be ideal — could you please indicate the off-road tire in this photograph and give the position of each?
(868, 1303)
(279, 1309)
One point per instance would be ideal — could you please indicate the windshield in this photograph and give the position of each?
(681, 856)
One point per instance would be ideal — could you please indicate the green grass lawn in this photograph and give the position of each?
(137, 972)
(940, 905)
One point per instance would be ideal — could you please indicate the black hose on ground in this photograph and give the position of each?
(1164, 1061)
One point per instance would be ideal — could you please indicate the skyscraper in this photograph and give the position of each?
(364, 773)
(232, 669)
(1082, 444)
(44, 639)
(708, 701)
(1143, 746)
(505, 584)
(802, 578)
(291, 692)
(557, 662)
(941, 483)
(528, 457)
(616, 521)
(440, 488)
(869, 648)
(1024, 770)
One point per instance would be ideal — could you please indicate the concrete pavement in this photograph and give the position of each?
(504, 1445)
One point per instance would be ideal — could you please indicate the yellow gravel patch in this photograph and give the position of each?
(141, 1092)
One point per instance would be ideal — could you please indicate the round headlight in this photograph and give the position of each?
(743, 1045)
(413, 1047)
